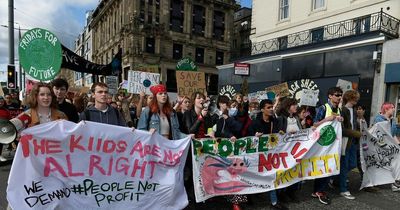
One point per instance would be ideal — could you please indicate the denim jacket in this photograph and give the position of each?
(155, 123)
(394, 128)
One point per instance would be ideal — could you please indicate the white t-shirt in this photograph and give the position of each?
(292, 125)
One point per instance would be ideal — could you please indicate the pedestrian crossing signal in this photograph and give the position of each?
(11, 77)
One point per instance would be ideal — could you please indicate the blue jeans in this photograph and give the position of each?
(347, 163)
(273, 197)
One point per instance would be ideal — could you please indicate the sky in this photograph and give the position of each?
(65, 18)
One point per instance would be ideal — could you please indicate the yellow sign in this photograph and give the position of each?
(189, 82)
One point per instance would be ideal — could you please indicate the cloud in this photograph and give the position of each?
(65, 18)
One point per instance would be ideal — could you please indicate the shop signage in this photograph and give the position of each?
(242, 69)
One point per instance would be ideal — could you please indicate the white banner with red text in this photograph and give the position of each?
(63, 165)
(254, 165)
(380, 156)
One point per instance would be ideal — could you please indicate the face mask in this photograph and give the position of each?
(232, 112)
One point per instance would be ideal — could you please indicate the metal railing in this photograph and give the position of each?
(375, 22)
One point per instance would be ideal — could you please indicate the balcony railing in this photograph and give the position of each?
(376, 22)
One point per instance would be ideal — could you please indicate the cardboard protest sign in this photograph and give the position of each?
(380, 156)
(309, 97)
(1, 91)
(85, 166)
(281, 89)
(344, 85)
(139, 81)
(189, 82)
(112, 83)
(254, 165)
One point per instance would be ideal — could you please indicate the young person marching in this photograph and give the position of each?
(266, 123)
(328, 112)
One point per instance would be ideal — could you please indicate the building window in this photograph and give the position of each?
(212, 84)
(318, 4)
(149, 18)
(171, 80)
(177, 51)
(219, 58)
(150, 45)
(362, 25)
(141, 16)
(176, 16)
(283, 9)
(317, 35)
(219, 25)
(199, 20)
(199, 55)
(283, 41)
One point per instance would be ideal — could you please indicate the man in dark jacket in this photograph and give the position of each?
(102, 112)
(266, 123)
(60, 89)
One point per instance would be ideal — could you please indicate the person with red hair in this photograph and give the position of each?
(386, 114)
(159, 116)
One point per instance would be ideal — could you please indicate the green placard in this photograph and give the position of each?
(186, 64)
(40, 54)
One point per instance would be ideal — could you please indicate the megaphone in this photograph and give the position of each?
(9, 128)
(8, 132)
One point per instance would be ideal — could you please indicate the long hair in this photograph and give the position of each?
(286, 104)
(32, 98)
(194, 96)
(166, 109)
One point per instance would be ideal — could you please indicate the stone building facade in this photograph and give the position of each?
(155, 34)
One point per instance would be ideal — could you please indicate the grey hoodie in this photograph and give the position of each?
(108, 117)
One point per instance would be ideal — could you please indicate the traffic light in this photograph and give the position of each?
(11, 77)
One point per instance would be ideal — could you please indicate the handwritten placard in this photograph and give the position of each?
(309, 97)
(85, 166)
(189, 82)
(139, 81)
(281, 89)
(112, 83)
(380, 155)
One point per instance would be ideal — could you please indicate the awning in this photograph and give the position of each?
(392, 73)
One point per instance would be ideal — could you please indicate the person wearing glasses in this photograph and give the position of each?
(330, 111)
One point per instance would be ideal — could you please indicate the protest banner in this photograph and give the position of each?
(1, 91)
(112, 83)
(63, 165)
(139, 81)
(281, 89)
(380, 156)
(254, 165)
(242, 69)
(308, 97)
(189, 82)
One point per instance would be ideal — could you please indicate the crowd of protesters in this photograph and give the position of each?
(201, 116)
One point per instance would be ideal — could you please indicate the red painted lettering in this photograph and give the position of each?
(74, 144)
(49, 162)
(95, 163)
(70, 170)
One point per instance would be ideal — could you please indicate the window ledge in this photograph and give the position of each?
(317, 11)
(283, 21)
